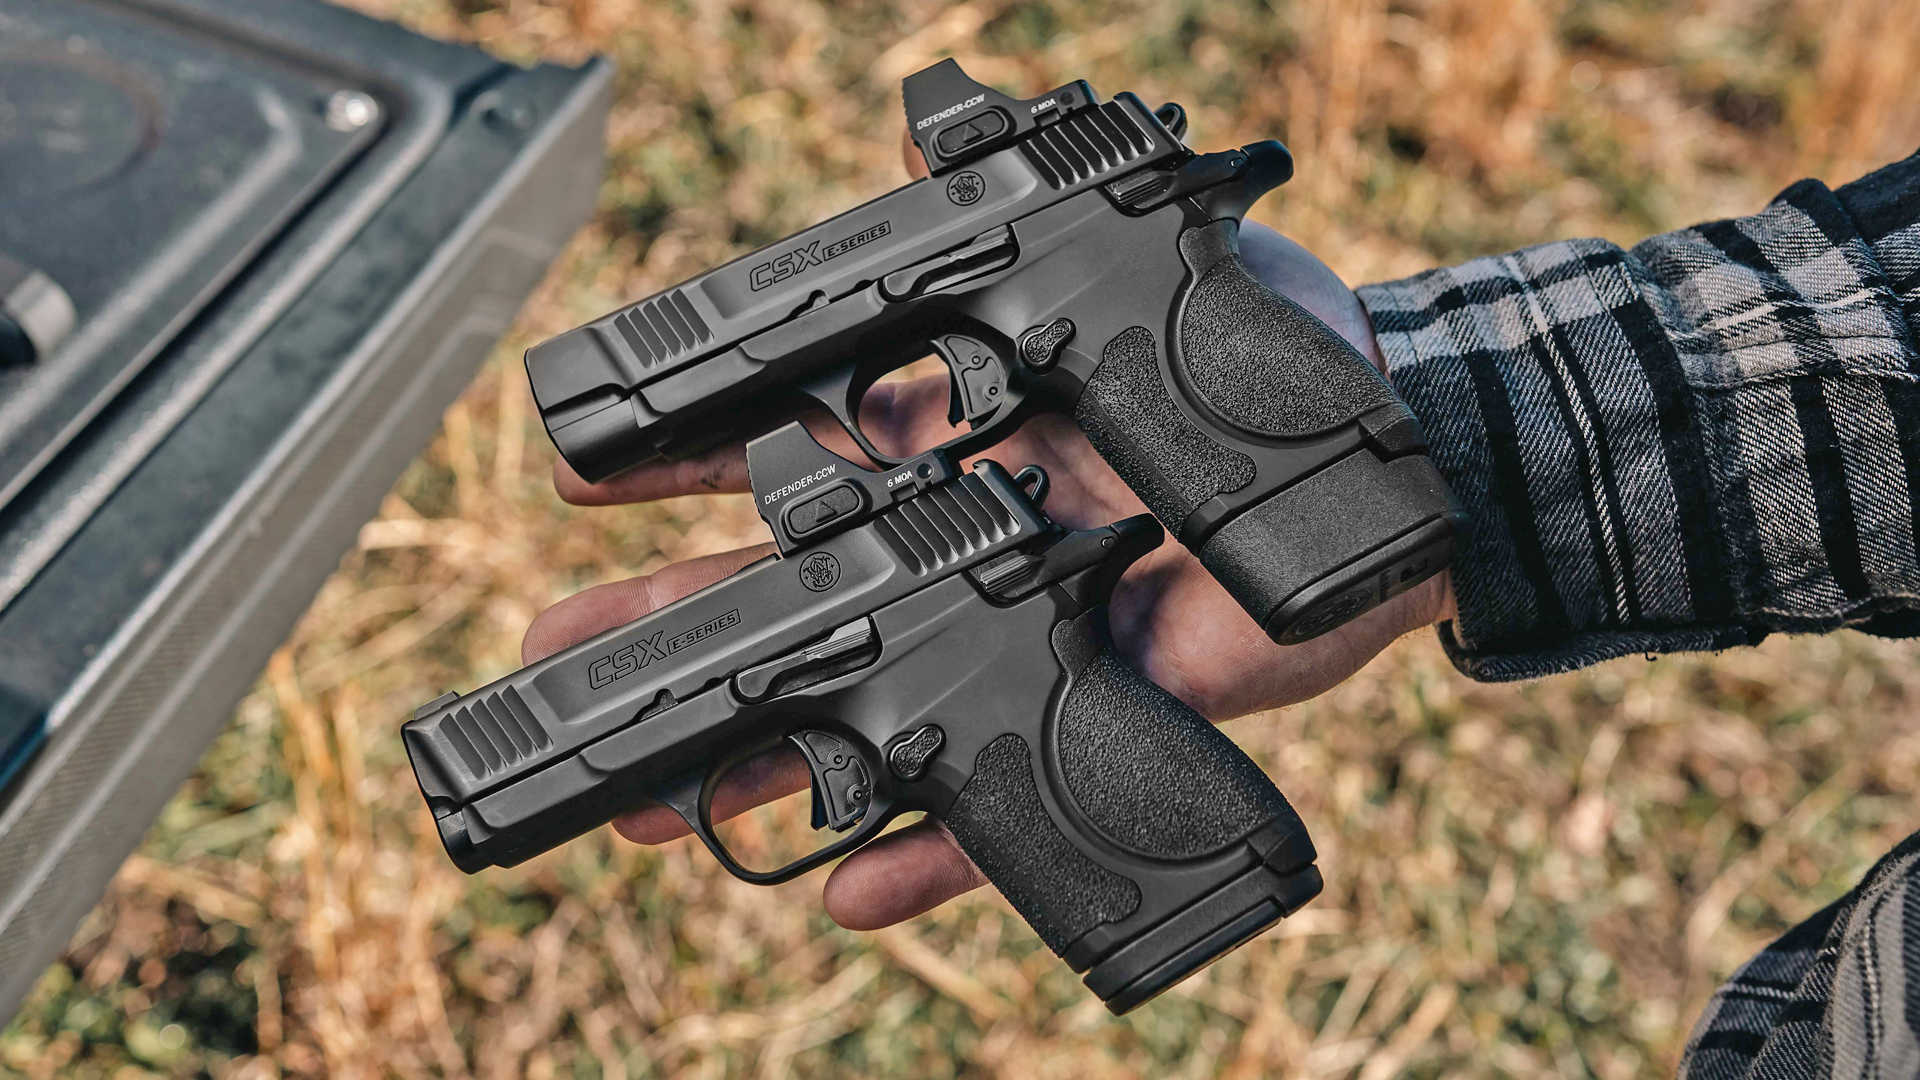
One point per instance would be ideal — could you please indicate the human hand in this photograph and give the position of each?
(1170, 619)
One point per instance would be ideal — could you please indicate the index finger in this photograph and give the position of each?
(716, 472)
(899, 418)
(603, 607)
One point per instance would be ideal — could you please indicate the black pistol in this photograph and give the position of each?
(1068, 255)
(928, 641)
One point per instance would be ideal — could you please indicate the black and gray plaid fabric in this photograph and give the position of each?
(1683, 446)
(1835, 996)
(1690, 445)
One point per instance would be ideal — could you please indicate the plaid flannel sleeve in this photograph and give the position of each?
(1834, 997)
(1688, 445)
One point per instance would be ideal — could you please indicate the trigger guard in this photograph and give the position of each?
(835, 390)
(691, 796)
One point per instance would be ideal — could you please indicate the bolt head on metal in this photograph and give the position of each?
(510, 116)
(350, 110)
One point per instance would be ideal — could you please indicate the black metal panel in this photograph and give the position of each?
(152, 563)
(147, 161)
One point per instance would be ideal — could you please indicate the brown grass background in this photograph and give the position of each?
(1532, 881)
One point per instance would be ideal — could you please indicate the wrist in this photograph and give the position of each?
(1437, 605)
(1434, 603)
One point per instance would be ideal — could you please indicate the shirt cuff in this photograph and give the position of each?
(1684, 446)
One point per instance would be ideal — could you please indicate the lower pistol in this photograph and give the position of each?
(929, 641)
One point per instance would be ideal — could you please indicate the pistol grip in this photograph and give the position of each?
(1139, 842)
(1270, 447)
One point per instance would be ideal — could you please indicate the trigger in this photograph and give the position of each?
(978, 382)
(842, 787)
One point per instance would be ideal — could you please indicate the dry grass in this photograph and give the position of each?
(1542, 880)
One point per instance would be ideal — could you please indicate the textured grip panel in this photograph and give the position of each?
(1006, 830)
(1149, 773)
(1172, 465)
(1265, 364)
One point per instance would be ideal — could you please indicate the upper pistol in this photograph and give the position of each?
(1066, 254)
